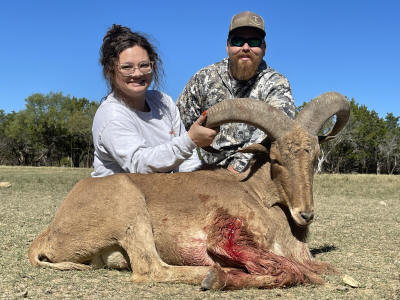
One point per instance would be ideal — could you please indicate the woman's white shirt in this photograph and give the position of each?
(131, 141)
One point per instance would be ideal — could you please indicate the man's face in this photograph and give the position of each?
(245, 59)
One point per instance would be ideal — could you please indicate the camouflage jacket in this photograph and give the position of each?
(213, 84)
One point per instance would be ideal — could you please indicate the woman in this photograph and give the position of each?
(135, 129)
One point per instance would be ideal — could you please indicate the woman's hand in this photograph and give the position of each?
(200, 135)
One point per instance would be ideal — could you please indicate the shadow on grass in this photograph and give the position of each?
(323, 249)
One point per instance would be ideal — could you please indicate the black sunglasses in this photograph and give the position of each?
(237, 41)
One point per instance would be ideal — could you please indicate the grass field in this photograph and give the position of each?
(357, 229)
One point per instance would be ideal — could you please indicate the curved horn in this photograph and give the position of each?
(320, 109)
(254, 112)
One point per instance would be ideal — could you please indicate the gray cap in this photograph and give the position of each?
(247, 19)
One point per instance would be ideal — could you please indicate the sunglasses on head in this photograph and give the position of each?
(237, 41)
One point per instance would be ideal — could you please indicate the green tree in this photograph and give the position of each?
(366, 145)
(53, 128)
(79, 123)
(389, 147)
(6, 147)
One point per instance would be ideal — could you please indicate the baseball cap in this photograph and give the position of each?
(247, 19)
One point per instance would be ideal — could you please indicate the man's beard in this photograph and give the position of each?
(244, 70)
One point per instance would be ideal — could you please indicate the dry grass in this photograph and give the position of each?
(357, 229)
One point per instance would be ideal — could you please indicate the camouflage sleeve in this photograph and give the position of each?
(280, 95)
(189, 102)
(276, 92)
(241, 161)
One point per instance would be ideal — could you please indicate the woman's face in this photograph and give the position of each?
(130, 79)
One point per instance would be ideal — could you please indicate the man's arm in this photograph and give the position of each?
(276, 92)
(189, 103)
(280, 95)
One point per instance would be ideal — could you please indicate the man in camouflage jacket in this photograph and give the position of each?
(244, 74)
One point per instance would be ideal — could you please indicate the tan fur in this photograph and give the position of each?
(174, 227)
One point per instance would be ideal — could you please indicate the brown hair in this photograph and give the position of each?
(117, 39)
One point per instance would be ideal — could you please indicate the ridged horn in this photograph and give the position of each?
(313, 116)
(250, 111)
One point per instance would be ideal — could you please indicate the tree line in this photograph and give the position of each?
(52, 130)
(367, 144)
(55, 130)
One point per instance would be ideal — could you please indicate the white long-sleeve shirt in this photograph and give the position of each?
(131, 141)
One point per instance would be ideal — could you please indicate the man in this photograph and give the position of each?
(244, 74)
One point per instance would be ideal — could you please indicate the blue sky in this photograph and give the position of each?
(352, 47)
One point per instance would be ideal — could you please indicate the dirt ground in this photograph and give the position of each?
(357, 229)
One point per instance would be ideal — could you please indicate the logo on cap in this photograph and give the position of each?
(256, 20)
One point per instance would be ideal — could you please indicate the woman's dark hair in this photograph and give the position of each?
(117, 39)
